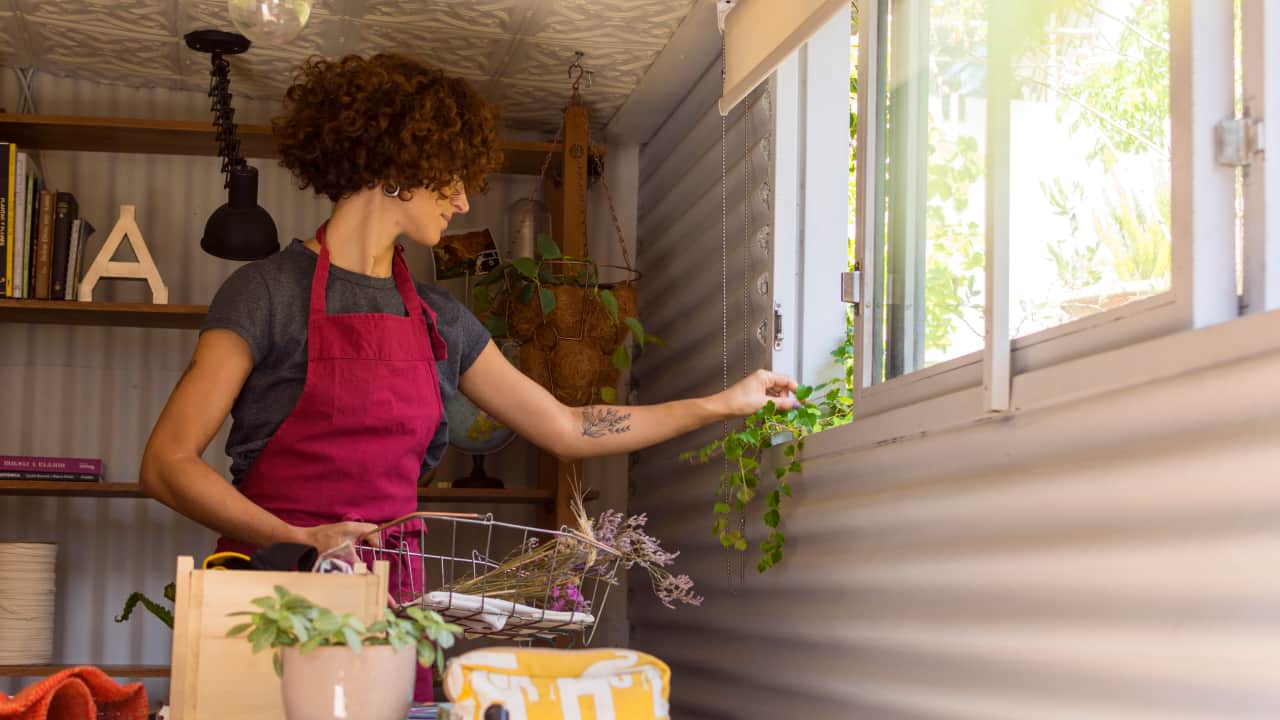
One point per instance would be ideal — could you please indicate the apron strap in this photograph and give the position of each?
(414, 305)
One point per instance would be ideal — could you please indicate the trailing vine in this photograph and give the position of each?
(823, 406)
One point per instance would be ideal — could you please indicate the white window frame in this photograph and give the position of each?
(1260, 30)
(1202, 289)
(811, 130)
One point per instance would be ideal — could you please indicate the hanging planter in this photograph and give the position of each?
(573, 330)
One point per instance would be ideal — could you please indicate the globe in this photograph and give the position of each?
(472, 430)
(477, 433)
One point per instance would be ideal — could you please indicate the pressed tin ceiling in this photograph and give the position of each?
(516, 51)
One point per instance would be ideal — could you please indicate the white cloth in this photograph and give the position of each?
(481, 614)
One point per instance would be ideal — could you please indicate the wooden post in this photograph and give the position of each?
(569, 221)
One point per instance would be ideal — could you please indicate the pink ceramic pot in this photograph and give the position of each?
(334, 683)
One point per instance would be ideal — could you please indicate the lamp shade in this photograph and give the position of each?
(240, 229)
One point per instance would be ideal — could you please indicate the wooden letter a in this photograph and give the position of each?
(143, 269)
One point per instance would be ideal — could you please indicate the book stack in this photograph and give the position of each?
(16, 467)
(41, 232)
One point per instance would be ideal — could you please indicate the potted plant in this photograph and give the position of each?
(327, 660)
(572, 328)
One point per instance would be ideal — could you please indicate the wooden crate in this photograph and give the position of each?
(216, 677)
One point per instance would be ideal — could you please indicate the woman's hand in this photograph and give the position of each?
(757, 390)
(327, 537)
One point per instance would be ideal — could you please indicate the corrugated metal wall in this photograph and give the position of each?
(1112, 557)
(97, 391)
(681, 214)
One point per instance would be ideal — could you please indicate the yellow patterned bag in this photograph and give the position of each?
(546, 684)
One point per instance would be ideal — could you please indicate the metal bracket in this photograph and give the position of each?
(777, 326)
(1237, 140)
(723, 7)
(851, 288)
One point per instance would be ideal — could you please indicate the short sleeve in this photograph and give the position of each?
(243, 306)
(465, 335)
(474, 337)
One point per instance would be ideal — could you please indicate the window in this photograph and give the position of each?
(1036, 182)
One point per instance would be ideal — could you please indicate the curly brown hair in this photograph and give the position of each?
(358, 123)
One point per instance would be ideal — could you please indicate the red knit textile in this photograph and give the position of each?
(78, 693)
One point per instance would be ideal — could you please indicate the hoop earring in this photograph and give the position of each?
(391, 193)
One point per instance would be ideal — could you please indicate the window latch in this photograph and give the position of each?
(851, 288)
(777, 326)
(1237, 140)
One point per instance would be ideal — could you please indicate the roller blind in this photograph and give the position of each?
(760, 34)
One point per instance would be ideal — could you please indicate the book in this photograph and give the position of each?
(8, 159)
(79, 236)
(33, 236)
(23, 463)
(44, 246)
(21, 177)
(49, 476)
(65, 212)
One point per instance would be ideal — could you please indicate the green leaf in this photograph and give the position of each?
(239, 629)
(277, 662)
(352, 638)
(548, 300)
(740, 544)
(497, 326)
(654, 340)
(779, 473)
(263, 636)
(526, 267)
(789, 451)
(772, 518)
(636, 328)
(622, 358)
(548, 248)
(610, 304)
(722, 508)
(526, 292)
(794, 467)
(803, 392)
(480, 299)
(609, 395)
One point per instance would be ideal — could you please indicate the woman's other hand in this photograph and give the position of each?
(327, 537)
(757, 390)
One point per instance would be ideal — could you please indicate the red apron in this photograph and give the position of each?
(352, 448)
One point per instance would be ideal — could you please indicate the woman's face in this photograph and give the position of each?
(430, 212)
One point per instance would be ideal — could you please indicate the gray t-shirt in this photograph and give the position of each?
(266, 303)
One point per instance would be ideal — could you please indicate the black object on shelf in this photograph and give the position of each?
(478, 477)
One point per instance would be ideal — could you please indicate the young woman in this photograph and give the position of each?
(333, 362)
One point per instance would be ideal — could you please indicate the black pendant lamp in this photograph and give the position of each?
(240, 229)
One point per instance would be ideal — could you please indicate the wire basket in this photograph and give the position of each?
(496, 579)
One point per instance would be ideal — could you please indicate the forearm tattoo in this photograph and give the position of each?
(598, 422)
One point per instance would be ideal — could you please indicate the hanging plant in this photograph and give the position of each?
(824, 406)
(163, 613)
(572, 329)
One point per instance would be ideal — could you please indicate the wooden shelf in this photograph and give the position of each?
(179, 137)
(115, 671)
(49, 488)
(505, 496)
(70, 312)
(58, 488)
